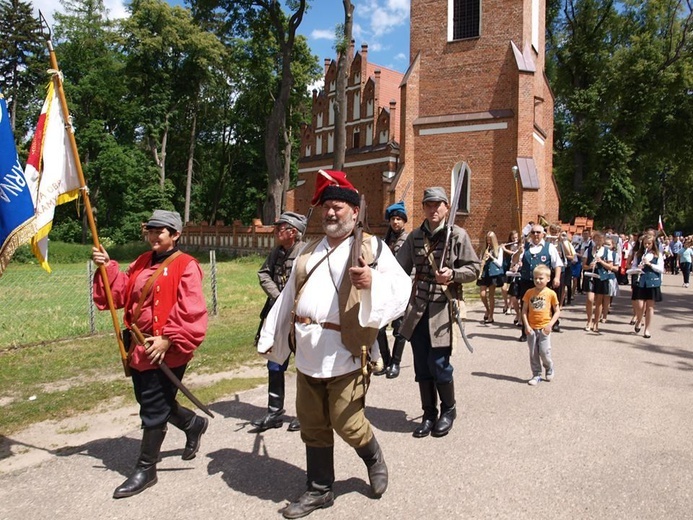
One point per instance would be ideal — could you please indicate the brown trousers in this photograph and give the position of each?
(335, 404)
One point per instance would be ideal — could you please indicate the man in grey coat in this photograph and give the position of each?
(428, 322)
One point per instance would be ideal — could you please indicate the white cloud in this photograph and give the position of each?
(322, 34)
(384, 17)
(401, 57)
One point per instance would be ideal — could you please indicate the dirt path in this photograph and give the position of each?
(116, 418)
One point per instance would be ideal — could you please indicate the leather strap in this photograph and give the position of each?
(325, 325)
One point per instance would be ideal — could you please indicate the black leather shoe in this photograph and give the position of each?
(444, 423)
(556, 327)
(425, 429)
(380, 372)
(392, 371)
(294, 425)
(268, 421)
(309, 502)
(140, 480)
(523, 337)
(192, 437)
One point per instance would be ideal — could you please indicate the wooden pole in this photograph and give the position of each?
(58, 83)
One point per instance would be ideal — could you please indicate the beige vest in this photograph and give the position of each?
(354, 336)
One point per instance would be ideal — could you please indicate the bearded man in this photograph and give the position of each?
(328, 311)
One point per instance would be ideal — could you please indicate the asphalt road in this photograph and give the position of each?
(609, 437)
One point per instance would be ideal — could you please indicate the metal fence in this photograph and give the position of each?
(37, 307)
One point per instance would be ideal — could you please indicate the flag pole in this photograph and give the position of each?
(58, 82)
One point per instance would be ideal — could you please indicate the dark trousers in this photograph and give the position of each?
(430, 364)
(156, 395)
(686, 270)
(276, 367)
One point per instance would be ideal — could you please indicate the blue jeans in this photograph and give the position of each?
(430, 364)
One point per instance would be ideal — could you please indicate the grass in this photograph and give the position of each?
(77, 375)
(73, 376)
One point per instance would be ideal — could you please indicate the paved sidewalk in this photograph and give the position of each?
(609, 437)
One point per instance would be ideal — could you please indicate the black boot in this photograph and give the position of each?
(384, 352)
(275, 404)
(320, 472)
(429, 403)
(372, 455)
(397, 350)
(194, 427)
(145, 469)
(448, 412)
(294, 425)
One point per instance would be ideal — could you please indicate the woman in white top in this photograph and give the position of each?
(651, 262)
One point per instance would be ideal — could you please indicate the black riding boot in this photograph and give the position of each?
(192, 425)
(397, 351)
(429, 403)
(275, 403)
(320, 473)
(145, 469)
(372, 455)
(448, 412)
(384, 347)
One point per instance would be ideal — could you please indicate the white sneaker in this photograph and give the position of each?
(534, 381)
(549, 374)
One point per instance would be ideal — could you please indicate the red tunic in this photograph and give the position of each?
(175, 306)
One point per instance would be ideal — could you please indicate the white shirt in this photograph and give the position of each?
(320, 352)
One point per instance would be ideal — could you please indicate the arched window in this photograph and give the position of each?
(465, 194)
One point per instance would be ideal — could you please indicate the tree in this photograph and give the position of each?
(169, 59)
(340, 104)
(22, 62)
(621, 74)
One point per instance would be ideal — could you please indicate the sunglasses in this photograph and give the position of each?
(536, 232)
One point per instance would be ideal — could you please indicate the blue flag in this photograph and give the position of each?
(16, 203)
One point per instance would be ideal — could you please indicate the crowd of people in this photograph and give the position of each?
(331, 300)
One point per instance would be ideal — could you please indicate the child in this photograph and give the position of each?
(539, 305)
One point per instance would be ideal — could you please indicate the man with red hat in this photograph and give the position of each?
(329, 312)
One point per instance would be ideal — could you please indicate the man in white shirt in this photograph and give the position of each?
(332, 311)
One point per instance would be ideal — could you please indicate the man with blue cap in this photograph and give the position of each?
(396, 214)
(288, 231)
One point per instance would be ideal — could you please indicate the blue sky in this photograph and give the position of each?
(382, 24)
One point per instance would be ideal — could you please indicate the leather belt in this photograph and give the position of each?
(325, 325)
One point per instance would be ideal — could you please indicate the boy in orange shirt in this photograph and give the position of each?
(539, 312)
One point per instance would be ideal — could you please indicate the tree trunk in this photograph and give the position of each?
(275, 129)
(191, 157)
(340, 105)
(162, 163)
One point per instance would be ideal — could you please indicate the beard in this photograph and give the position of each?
(335, 228)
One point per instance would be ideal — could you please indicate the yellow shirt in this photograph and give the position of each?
(539, 304)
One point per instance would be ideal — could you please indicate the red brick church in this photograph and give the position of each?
(475, 92)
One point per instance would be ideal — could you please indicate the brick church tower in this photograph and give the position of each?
(476, 92)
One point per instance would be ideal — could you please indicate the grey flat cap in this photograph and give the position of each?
(162, 218)
(294, 220)
(435, 194)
